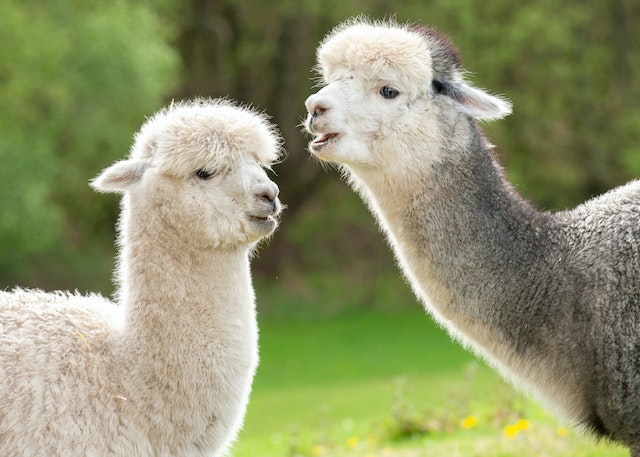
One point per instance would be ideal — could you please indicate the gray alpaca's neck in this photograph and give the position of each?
(493, 270)
(467, 241)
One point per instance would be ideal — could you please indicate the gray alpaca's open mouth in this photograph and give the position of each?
(322, 140)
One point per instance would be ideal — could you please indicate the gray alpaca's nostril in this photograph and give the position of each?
(315, 106)
(319, 110)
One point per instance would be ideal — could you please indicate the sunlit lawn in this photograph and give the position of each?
(390, 385)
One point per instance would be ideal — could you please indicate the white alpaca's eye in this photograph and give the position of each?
(389, 92)
(204, 174)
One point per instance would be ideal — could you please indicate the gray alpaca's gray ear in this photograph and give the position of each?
(120, 176)
(473, 102)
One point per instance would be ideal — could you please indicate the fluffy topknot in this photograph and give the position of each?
(215, 131)
(411, 54)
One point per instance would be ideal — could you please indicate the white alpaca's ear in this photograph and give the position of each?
(474, 102)
(120, 176)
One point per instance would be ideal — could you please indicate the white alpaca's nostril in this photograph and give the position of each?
(268, 193)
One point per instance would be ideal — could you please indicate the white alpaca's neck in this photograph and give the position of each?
(190, 332)
(168, 281)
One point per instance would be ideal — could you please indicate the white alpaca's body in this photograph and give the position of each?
(167, 370)
(550, 299)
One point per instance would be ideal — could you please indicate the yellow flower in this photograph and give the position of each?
(469, 422)
(561, 431)
(353, 441)
(318, 450)
(510, 431)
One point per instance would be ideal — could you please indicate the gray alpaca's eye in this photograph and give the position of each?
(204, 174)
(389, 92)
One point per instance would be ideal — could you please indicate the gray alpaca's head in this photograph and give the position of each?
(388, 85)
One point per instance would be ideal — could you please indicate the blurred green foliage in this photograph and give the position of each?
(77, 80)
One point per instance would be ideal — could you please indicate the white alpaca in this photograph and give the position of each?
(550, 299)
(167, 370)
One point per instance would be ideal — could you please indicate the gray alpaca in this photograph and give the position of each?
(552, 300)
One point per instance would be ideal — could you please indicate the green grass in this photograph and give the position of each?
(385, 384)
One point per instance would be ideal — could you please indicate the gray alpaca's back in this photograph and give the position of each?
(604, 237)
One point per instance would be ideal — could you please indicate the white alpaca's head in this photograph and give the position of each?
(385, 88)
(199, 170)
